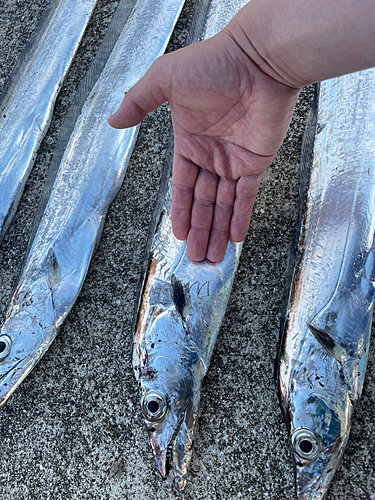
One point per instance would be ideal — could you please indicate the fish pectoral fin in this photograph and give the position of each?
(326, 341)
(53, 269)
(178, 295)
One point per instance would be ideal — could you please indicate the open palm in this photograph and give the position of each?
(229, 120)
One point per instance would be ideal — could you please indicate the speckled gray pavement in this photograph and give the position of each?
(73, 429)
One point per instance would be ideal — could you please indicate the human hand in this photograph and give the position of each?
(229, 120)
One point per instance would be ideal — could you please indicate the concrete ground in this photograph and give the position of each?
(73, 429)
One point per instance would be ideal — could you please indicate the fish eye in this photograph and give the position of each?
(154, 406)
(5, 346)
(306, 444)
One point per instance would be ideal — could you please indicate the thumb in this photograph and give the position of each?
(146, 95)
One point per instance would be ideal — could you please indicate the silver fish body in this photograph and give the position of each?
(89, 176)
(326, 331)
(27, 103)
(180, 314)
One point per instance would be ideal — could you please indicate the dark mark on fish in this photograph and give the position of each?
(178, 295)
(201, 290)
(54, 273)
(327, 342)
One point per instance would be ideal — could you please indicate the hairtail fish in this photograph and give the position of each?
(88, 177)
(27, 102)
(179, 312)
(326, 328)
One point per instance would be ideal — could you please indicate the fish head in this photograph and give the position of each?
(319, 425)
(23, 341)
(170, 374)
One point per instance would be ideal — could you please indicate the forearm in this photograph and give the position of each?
(299, 42)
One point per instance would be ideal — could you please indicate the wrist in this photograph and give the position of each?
(249, 31)
(301, 42)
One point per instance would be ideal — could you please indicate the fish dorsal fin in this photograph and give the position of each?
(326, 341)
(53, 269)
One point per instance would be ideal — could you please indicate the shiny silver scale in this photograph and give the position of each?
(89, 176)
(326, 329)
(179, 316)
(27, 102)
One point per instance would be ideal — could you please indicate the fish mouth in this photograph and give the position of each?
(176, 456)
(164, 458)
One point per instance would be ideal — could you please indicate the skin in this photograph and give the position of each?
(232, 98)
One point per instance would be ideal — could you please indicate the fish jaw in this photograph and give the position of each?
(172, 444)
(11, 376)
(183, 444)
(162, 432)
(171, 438)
